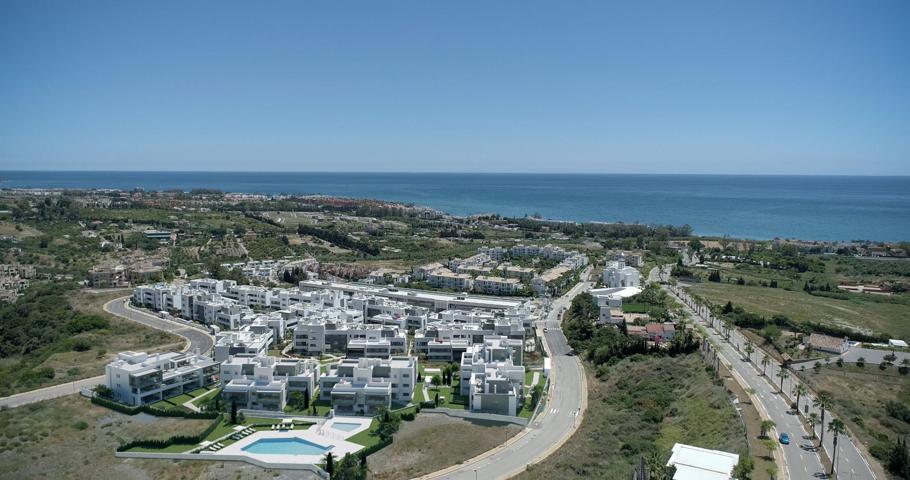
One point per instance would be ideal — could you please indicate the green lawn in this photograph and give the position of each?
(366, 437)
(880, 317)
(418, 393)
(452, 399)
(322, 407)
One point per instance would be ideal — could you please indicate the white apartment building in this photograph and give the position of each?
(497, 285)
(617, 274)
(496, 253)
(361, 386)
(266, 383)
(315, 337)
(445, 278)
(137, 378)
(242, 342)
(490, 380)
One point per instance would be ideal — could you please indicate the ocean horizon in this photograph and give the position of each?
(808, 207)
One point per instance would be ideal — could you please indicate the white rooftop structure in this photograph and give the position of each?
(897, 343)
(435, 300)
(694, 463)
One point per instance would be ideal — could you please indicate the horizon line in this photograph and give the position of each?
(424, 172)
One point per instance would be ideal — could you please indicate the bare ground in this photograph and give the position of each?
(434, 442)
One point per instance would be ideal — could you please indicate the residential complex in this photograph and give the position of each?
(361, 386)
(266, 383)
(489, 378)
(138, 378)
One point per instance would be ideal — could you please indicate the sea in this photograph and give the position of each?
(829, 208)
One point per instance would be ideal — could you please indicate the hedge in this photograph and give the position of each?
(177, 439)
(157, 412)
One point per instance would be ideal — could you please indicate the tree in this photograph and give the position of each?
(904, 368)
(743, 469)
(766, 426)
(840, 362)
(771, 445)
(234, 412)
(536, 393)
(695, 244)
(837, 428)
(436, 381)
(104, 391)
(813, 420)
(436, 400)
(799, 390)
(782, 373)
(823, 402)
(899, 458)
(861, 362)
(329, 464)
(817, 367)
(749, 349)
(765, 361)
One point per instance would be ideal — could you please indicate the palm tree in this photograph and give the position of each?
(823, 402)
(782, 373)
(799, 390)
(813, 421)
(766, 426)
(765, 361)
(836, 427)
(749, 349)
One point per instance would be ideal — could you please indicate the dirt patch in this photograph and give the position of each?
(20, 231)
(434, 442)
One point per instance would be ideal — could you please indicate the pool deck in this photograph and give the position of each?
(323, 435)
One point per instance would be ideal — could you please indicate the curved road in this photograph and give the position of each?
(562, 412)
(196, 339)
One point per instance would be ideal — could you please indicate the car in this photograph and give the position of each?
(545, 330)
(784, 438)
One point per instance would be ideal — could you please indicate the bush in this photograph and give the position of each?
(157, 412)
(80, 344)
(80, 425)
(407, 416)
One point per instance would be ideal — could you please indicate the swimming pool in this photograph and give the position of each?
(345, 426)
(286, 446)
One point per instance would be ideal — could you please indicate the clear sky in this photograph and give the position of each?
(808, 86)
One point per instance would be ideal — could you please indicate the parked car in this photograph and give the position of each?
(784, 438)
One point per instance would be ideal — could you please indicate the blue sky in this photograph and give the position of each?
(640, 87)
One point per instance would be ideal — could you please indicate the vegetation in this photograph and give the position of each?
(639, 407)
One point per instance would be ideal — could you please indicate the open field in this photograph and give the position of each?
(860, 397)
(70, 364)
(640, 406)
(39, 441)
(22, 231)
(864, 315)
(433, 442)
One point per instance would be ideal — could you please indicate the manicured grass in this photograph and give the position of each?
(180, 399)
(799, 306)
(366, 437)
(322, 407)
(175, 448)
(418, 393)
(198, 391)
(452, 399)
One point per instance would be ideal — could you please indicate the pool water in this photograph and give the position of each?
(347, 427)
(286, 446)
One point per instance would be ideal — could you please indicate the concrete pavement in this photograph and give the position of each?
(562, 413)
(801, 460)
(196, 339)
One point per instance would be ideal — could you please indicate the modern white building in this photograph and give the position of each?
(138, 378)
(445, 278)
(617, 274)
(361, 386)
(490, 380)
(242, 342)
(497, 285)
(266, 383)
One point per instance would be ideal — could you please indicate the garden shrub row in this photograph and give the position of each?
(157, 412)
(175, 440)
(367, 451)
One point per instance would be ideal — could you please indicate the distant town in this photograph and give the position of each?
(322, 335)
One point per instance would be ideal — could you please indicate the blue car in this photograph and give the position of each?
(784, 438)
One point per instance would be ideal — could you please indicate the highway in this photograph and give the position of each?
(553, 426)
(196, 339)
(801, 460)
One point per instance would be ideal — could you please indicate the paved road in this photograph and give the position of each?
(556, 422)
(801, 460)
(197, 339)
